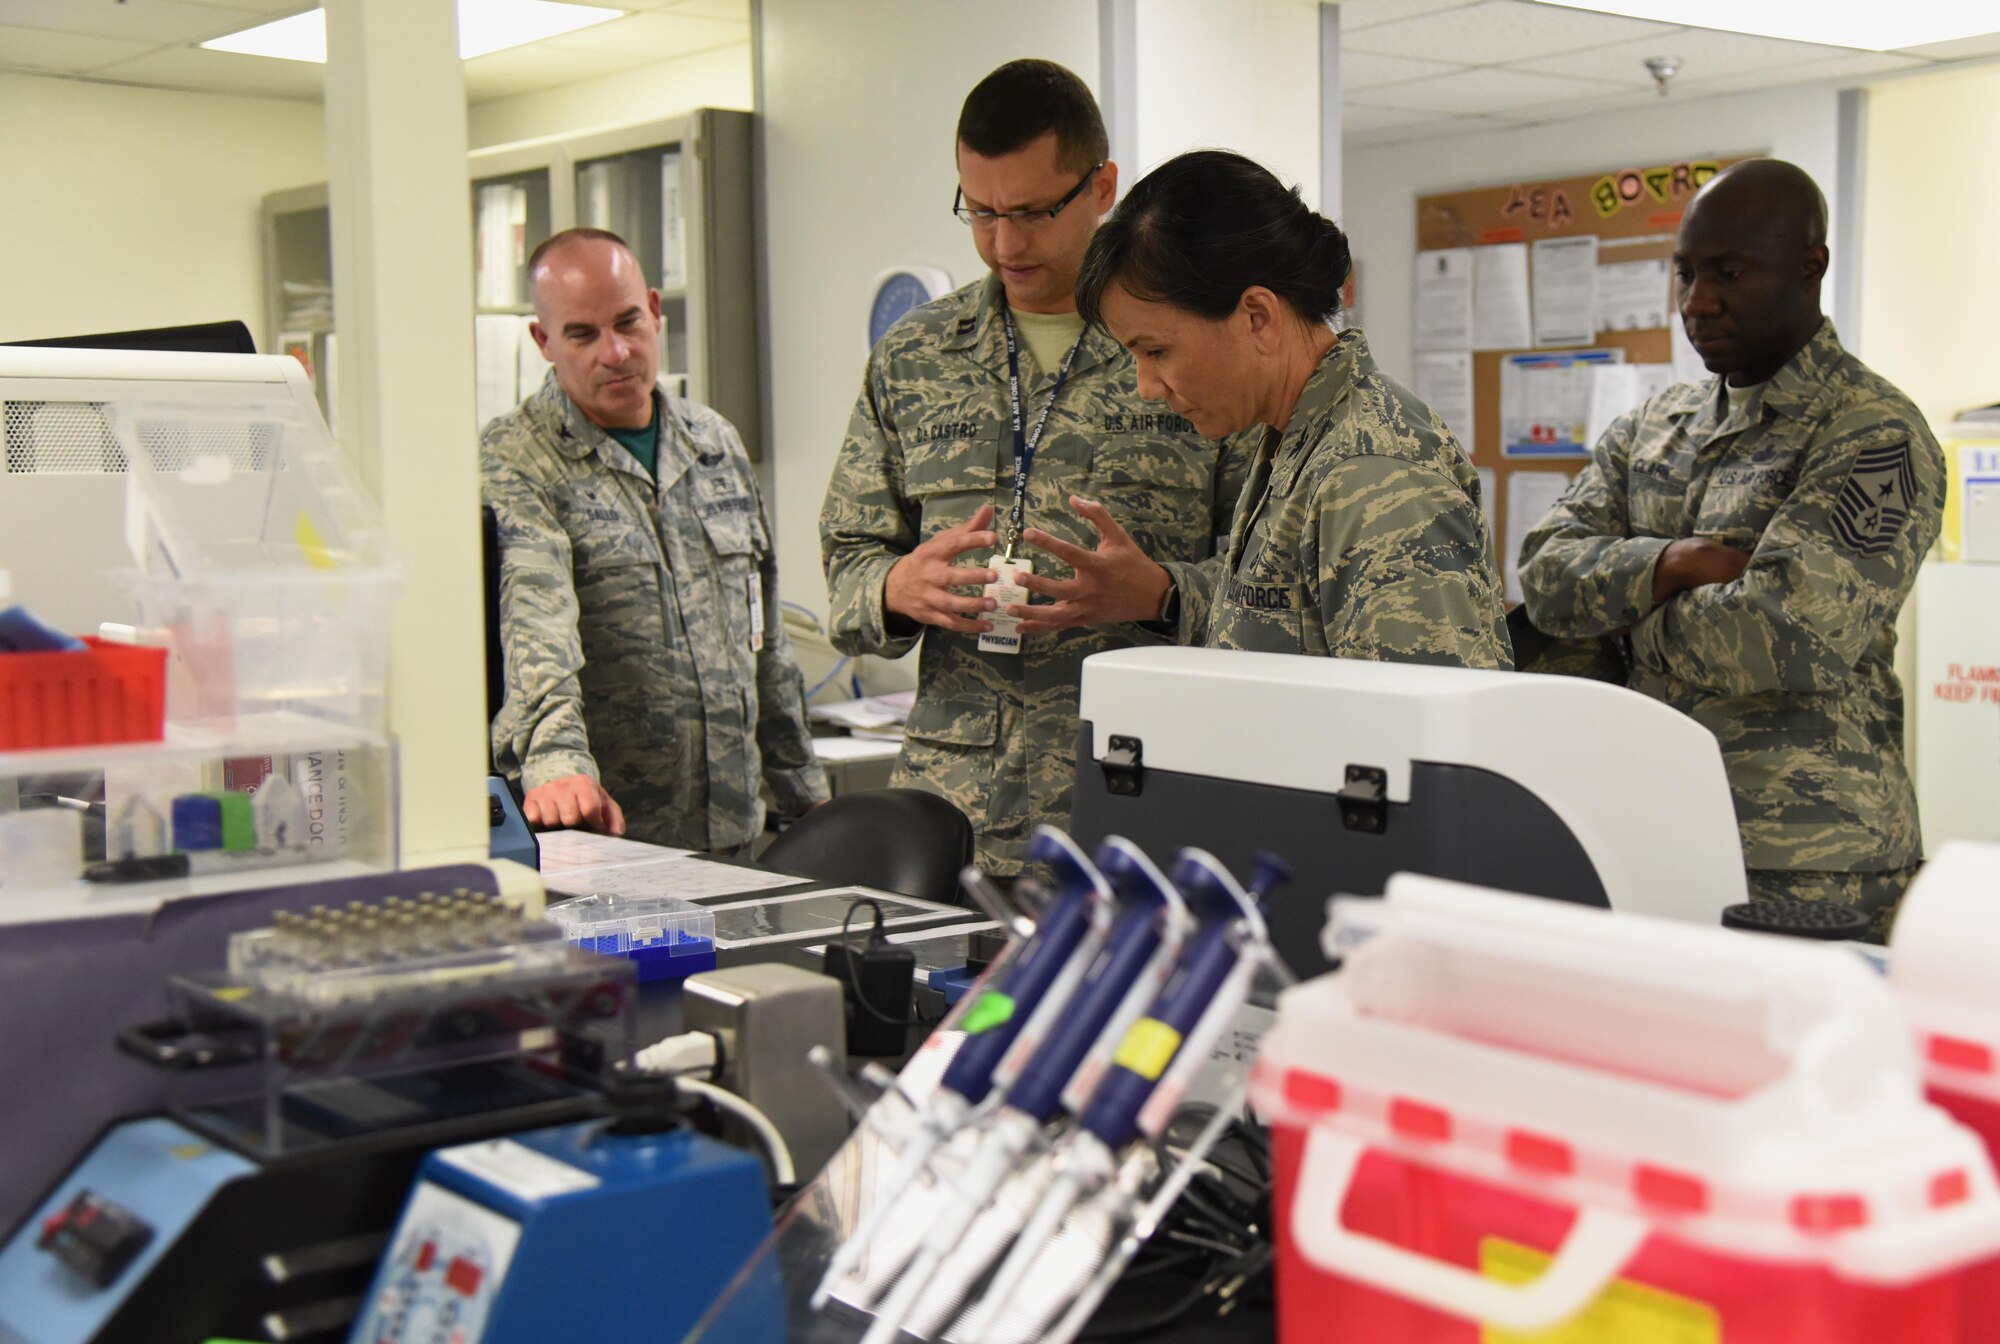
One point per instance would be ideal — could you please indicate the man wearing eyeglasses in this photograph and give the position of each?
(991, 411)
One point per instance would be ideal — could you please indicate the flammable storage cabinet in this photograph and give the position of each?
(1504, 1117)
(1353, 771)
(1954, 701)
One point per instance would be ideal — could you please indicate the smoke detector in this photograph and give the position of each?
(1662, 69)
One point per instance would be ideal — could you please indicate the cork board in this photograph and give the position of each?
(1633, 212)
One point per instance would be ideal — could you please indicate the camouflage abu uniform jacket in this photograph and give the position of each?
(629, 607)
(929, 443)
(1830, 479)
(1360, 535)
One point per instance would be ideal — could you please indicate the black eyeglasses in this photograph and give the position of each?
(1026, 219)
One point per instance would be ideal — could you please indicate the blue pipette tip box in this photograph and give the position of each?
(664, 937)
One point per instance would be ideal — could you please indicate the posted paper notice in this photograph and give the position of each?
(1545, 402)
(1618, 388)
(1565, 294)
(1444, 383)
(1444, 299)
(1500, 304)
(1634, 295)
(1688, 367)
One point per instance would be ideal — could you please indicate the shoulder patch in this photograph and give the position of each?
(1875, 502)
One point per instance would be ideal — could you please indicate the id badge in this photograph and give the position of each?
(1006, 590)
(756, 613)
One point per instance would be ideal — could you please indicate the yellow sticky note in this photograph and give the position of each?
(1624, 1313)
(1148, 1048)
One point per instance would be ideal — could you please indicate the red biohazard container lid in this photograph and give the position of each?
(1941, 968)
(1754, 1095)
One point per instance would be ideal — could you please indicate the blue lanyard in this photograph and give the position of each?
(1025, 442)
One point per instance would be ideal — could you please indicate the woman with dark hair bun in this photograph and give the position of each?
(1360, 533)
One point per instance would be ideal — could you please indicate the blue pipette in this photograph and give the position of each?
(1128, 971)
(1040, 976)
(1155, 1059)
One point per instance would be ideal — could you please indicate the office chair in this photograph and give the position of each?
(901, 840)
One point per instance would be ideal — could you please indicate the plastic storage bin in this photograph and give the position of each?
(1941, 967)
(261, 556)
(665, 937)
(1506, 1116)
(108, 693)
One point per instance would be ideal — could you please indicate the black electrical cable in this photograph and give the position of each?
(1216, 1238)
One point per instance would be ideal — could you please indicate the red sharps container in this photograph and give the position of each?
(1507, 1120)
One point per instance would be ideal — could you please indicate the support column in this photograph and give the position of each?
(402, 261)
(1118, 83)
(1329, 111)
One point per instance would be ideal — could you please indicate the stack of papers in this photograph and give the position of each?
(870, 716)
(583, 863)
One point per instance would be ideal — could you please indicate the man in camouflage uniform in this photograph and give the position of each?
(650, 686)
(907, 532)
(1757, 534)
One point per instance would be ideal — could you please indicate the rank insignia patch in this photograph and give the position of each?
(1875, 502)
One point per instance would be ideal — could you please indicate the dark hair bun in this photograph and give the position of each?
(1205, 226)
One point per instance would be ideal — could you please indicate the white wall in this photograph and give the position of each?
(859, 103)
(1382, 184)
(132, 207)
(1930, 291)
(1241, 76)
(718, 78)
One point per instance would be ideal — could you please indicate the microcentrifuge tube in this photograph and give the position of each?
(138, 831)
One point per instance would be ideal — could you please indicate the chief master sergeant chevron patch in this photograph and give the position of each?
(1875, 502)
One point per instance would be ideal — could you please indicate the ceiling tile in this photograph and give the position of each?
(1562, 110)
(1436, 128)
(526, 69)
(656, 36)
(1704, 53)
(151, 21)
(1499, 31)
(1358, 14)
(181, 67)
(1364, 70)
(1358, 118)
(1853, 66)
(1958, 49)
(66, 53)
(1488, 91)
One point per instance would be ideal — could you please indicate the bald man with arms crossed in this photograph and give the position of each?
(650, 688)
(1757, 534)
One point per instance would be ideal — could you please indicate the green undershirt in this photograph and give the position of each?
(643, 443)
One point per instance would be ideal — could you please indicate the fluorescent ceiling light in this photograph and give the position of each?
(484, 26)
(1872, 25)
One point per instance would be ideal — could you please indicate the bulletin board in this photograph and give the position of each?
(1632, 212)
